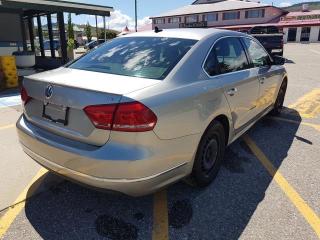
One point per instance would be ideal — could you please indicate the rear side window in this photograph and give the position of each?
(145, 57)
(227, 55)
(258, 55)
(211, 65)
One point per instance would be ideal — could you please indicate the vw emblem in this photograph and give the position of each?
(49, 91)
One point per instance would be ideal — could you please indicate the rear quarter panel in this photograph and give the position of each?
(186, 110)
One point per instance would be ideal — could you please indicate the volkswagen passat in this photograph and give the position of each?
(150, 108)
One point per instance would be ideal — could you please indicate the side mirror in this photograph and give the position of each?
(278, 60)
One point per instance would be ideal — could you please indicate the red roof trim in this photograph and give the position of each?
(279, 24)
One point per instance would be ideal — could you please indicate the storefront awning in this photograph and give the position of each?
(56, 6)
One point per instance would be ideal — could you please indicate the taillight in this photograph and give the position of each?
(101, 115)
(25, 98)
(134, 117)
(124, 117)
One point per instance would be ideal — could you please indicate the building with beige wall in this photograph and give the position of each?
(219, 14)
(302, 26)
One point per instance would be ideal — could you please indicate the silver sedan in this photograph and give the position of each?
(147, 109)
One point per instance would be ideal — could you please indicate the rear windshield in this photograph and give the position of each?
(145, 57)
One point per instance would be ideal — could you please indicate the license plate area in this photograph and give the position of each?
(55, 113)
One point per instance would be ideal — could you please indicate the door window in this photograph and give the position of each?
(226, 56)
(257, 54)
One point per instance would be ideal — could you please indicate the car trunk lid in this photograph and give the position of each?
(58, 99)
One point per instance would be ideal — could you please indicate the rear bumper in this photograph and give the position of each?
(135, 171)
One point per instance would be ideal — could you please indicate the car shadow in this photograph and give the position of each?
(289, 61)
(220, 211)
(71, 211)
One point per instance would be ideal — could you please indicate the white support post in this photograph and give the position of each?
(104, 27)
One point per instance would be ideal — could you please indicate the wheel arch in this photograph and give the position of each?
(285, 80)
(225, 122)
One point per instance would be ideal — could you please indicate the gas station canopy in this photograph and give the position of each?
(30, 6)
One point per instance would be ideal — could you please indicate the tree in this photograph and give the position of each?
(87, 30)
(70, 33)
(109, 33)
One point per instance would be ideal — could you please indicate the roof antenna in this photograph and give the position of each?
(157, 30)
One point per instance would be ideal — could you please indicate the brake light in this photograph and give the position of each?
(124, 117)
(25, 98)
(134, 117)
(101, 115)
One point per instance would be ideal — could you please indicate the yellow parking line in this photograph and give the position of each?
(7, 126)
(291, 193)
(315, 126)
(308, 106)
(7, 219)
(160, 216)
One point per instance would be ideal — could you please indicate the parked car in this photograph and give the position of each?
(270, 37)
(56, 45)
(94, 44)
(150, 108)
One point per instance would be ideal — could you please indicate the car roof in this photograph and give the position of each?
(186, 33)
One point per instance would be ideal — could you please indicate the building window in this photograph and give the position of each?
(191, 19)
(231, 15)
(258, 13)
(305, 34)
(159, 21)
(211, 17)
(174, 20)
(292, 34)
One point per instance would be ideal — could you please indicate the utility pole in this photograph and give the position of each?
(136, 15)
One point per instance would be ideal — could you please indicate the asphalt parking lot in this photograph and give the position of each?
(268, 187)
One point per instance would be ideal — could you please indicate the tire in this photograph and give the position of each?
(280, 99)
(209, 155)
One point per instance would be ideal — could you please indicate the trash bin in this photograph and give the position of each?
(25, 59)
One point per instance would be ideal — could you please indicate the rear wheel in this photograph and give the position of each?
(209, 155)
(280, 99)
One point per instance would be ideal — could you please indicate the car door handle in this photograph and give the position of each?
(231, 92)
(262, 80)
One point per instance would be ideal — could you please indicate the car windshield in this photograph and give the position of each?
(145, 57)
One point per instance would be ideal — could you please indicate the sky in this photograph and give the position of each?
(124, 10)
